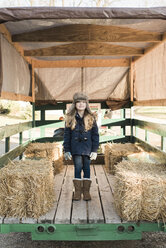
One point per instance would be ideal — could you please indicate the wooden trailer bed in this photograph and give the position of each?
(65, 211)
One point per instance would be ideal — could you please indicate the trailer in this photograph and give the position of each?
(116, 56)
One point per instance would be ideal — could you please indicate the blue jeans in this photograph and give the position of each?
(81, 162)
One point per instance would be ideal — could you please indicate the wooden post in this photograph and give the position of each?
(33, 94)
(131, 98)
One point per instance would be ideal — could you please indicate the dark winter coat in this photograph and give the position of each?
(79, 141)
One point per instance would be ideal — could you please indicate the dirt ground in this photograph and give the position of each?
(23, 240)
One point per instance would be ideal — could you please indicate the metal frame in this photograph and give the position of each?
(82, 232)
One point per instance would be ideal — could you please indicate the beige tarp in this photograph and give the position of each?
(150, 75)
(99, 83)
(14, 73)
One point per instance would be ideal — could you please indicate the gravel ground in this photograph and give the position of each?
(23, 240)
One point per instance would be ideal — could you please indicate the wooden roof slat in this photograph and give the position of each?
(82, 63)
(88, 33)
(85, 49)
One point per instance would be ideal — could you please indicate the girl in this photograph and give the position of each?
(81, 141)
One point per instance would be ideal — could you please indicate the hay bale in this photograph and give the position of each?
(115, 152)
(51, 151)
(140, 191)
(26, 188)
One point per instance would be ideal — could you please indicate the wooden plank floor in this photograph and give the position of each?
(66, 211)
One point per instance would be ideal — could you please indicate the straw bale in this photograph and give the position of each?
(140, 191)
(115, 152)
(52, 151)
(26, 188)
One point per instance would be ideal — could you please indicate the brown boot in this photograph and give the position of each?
(86, 189)
(78, 188)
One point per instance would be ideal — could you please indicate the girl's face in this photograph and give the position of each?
(81, 105)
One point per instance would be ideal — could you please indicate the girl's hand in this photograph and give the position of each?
(67, 156)
(93, 155)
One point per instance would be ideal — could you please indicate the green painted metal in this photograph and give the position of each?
(116, 122)
(7, 144)
(105, 138)
(62, 105)
(50, 123)
(42, 117)
(85, 232)
(20, 142)
(123, 128)
(163, 143)
(33, 114)
(146, 136)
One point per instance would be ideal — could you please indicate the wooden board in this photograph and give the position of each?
(63, 212)
(49, 217)
(106, 196)
(82, 49)
(95, 214)
(79, 212)
(89, 33)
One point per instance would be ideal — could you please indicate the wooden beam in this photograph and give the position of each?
(158, 102)
(85, 49)
(82, 63)
(88, 33)
(150, 49)
(15, 97)
(9, 130)
(4, 31)
(131, 82)
(33, 82)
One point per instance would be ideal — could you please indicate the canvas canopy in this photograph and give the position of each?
(115, 55)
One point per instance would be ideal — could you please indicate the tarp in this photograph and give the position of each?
(26, 13)
(109, 84)
(14, 73)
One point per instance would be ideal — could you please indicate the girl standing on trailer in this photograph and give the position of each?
(81, 141)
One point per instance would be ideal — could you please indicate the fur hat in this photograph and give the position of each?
(80, 96)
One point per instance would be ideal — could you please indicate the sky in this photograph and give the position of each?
(84, 3)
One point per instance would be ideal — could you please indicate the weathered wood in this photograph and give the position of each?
(95, 214)
(33, 82)
(159, 102)
(87, 32)
(82, 63)
(111, 180)
(131, 81)
(89, 49)
(49, 217)
(15, 97)
(151, 48)
(106, 197)
(63, 213)
(11, 220)
(28, 221)
(156, 128)
(1, 219)
(4, 159)
(79, 212)
(9, 130)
